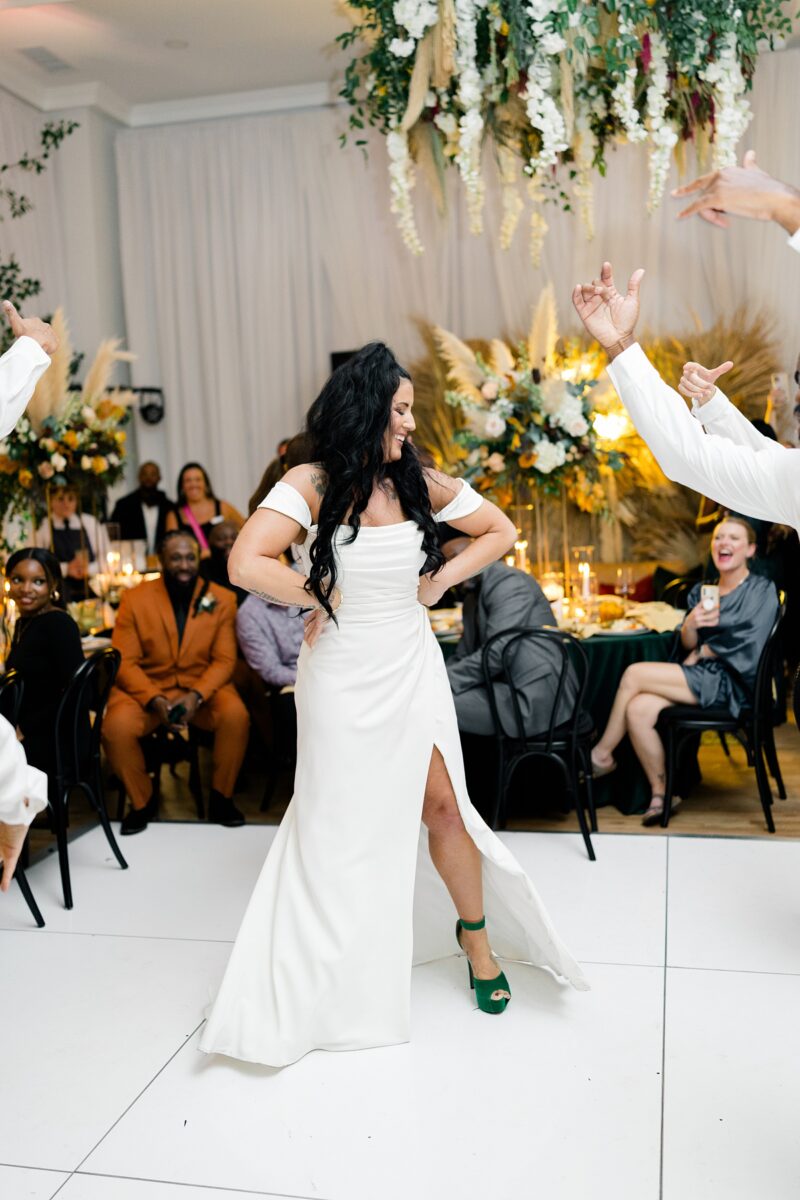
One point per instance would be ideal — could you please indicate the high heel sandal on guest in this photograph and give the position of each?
(484, 988)
(599, 770)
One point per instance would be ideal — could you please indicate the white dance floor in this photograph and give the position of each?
(675, 1077)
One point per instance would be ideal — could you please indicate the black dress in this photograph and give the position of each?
(46, 651)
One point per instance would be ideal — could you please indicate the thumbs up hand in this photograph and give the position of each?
(30, 327)
(699, 382)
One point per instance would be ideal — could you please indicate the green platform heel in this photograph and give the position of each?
(484, 988)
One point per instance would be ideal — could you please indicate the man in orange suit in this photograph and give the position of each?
(177, 639)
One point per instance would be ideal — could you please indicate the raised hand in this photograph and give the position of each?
(609, 316)
(699, 382)
(31, 327)
(744, 191)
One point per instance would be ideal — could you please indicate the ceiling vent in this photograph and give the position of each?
(45, 59)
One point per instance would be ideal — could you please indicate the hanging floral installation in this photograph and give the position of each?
(68, 436)
(553, 84)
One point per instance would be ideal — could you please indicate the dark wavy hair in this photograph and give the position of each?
(346, 426)
(193, 466)
(50, 565)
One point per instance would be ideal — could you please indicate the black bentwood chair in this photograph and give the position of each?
(166, 748)
(754, 728)
(11, 688)
(568, 744)
(77, 741)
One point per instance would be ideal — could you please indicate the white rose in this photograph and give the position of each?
(113, 460)
(495, 462)
(494, 425)
(58, 461)
(86, 463)
(88, 414)
(400, 48)
(578, 427)
(490, 389)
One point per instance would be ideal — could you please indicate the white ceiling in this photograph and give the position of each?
(227, 57)
(116, 54)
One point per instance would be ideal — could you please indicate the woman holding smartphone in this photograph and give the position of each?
(723, 635)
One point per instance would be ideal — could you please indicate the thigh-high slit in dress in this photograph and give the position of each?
(324, 953)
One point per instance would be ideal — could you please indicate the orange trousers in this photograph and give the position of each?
(126, 721)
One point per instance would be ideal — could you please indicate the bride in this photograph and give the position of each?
(323, 956)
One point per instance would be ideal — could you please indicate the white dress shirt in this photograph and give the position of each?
(731, 463)
(20, 370)
(18, 781)
(151, 513)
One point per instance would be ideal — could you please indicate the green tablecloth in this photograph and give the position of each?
(626, 788)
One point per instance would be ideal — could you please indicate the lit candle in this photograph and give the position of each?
(521, 555)
(584, 572)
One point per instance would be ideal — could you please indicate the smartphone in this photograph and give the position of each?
(709, 596)
(176, 714)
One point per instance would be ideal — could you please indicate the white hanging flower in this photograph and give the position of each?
(468, 157)
(733, 113)
(58, 461)
(663, 136)
(401, 179)
(623, 101)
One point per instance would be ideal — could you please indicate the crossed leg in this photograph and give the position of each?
(645, 689)
(458, 861)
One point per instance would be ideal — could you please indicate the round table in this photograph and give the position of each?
(609, 655)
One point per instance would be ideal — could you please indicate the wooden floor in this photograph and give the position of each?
(725, 804)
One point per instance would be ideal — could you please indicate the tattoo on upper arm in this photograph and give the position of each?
(272, 599)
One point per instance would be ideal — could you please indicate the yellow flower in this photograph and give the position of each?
(504, 27)
(516, 442)
(99, 464)
(25, 478)
(526, 460)
(7, 465)
(121, 436)
(105, 409)
(48, 444)
(71, 439)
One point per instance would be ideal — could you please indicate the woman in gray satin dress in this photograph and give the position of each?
(723, 644)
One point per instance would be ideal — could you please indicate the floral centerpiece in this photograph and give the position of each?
(68, 436)
(554, 83)
(528, 417)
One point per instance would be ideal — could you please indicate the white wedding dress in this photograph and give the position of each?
(323, 957)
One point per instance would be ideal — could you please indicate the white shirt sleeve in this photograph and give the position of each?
(18, 781)
(20, 370)
(724, 419)
(763, 482)
(794, 240)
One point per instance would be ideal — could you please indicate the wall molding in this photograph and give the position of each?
(167, 112)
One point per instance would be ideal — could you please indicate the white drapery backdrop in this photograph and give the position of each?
(254, 247)
(35, 240)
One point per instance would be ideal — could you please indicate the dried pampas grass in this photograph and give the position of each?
(52, 391)
(98, 377)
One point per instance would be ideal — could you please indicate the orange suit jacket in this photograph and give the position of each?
(146, 635)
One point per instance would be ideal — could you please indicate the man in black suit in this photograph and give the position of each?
(142, 515)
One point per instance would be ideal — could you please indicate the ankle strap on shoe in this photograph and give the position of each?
(472, 926)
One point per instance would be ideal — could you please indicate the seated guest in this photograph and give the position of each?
(270, 637)
(178, 646)
(723, 646)
(45, 649)
(215, 567)
(498, 598)
(142, 515)
(77, 539)
(291, 453)
(199, 510)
